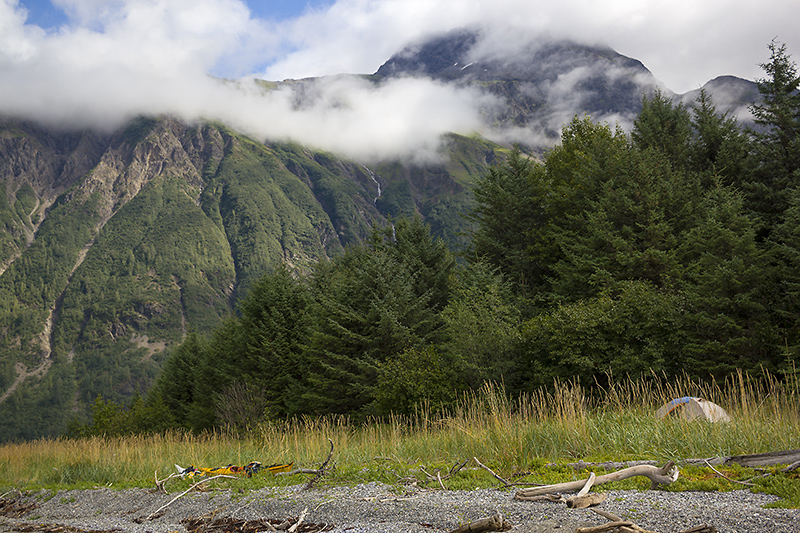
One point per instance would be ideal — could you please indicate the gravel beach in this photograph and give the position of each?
(376, 508)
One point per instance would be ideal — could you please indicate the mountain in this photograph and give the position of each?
(730, 94)
(540, 84)
(116, 244)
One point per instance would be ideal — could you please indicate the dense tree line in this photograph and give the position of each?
(672, 249)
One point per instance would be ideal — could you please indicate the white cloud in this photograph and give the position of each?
(119, 58)
(153, 57)
(17, 41)
(683, 42)
(141, 57)
(349, 115)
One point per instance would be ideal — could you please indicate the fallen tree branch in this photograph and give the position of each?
(228, 524)
(322, 470)
(492, 523)
(765, 459)
(616, 524)
(607, 465)
(15, 507)
(729, 479)
(611, 526)
(160, 484)
(503, 481)
(628, 527)
(456, 468)
(298, 471)
(299, 521)
(658, 476)
(439, 478)
(750, 461)
(794, 466)
(155, 514)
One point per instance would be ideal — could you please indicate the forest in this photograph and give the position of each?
(670, 250)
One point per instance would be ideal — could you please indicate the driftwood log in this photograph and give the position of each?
(492, 523)
(794, 466)
(619, 525)
(587, 500)
(583, 499)
(658, 476)
(616, 524)
(579, 501)
(749, 461)
(764, 459)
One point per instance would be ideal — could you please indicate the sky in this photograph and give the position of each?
(99, 62)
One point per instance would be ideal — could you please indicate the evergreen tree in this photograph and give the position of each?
(371, 304)
(417, 378)
(631, 330)
(630, 231)
(410, 243)
(275, 320)
(482, 325)
(777, 138)
(726, 284)
(255, 357)
(718, 146)
(510, 216)
(786, 289)
(177, 384)
(663, 126)
(522, 205)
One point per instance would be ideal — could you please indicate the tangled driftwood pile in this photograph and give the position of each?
(15, 507)
(294, 524)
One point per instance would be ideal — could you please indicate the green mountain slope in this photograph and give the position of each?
(115, 246)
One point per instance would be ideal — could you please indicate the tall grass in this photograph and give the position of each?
(562, 423)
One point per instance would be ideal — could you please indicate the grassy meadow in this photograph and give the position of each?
(531, 439)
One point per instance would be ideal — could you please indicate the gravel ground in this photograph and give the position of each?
(375, 508)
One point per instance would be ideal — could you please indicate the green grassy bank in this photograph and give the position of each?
(531, 439)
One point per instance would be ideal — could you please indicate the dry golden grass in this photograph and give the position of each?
(563, 423)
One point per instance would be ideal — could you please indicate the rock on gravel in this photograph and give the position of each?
(377, 508)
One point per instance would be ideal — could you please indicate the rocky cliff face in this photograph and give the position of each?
(37, 166)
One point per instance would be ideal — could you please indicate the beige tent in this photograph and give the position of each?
(691, 408)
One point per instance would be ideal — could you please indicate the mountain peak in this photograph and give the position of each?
(432, 56)
(537, 83)
(471, 54)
